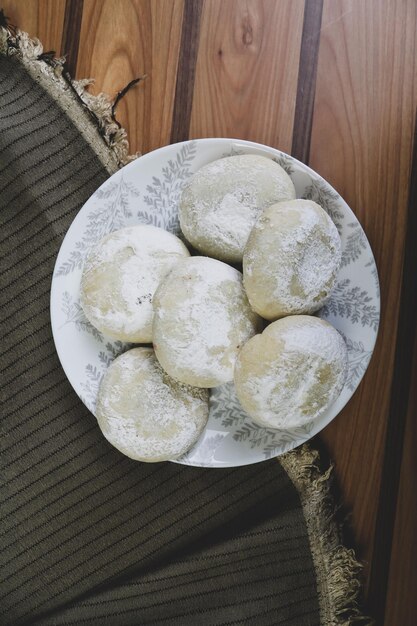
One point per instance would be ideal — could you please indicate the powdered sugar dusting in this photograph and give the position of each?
(146, 414)
(222, 201)
(318, 255)
(292, 259)
(316, 338)
(299, 379)
(202, 318)
(121, 276)
(232, 220)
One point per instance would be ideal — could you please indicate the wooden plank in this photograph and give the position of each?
(123, 40)
(71, 34)
(43, 19)
(401, 606)
(361, 142)
(400, 392)
(247, 67)
(186, 70)
(307, 74)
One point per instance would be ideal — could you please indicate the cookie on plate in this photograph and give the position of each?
(291, 259)
(222, 201)
(292, 373)
(202, 319)
(120, 276)
(144, 413)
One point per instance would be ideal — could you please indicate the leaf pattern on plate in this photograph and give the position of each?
(164, 193)
(358, 359)
(286, 162)
(374, 273)
(355, 244)
(255, 435)
(113, 350)
(353, 303)
(287, 440)
(94, 374)
(270, 439)
(225, 407)
(75, 315)
(232, 152)
(111, 214)
(328, 199)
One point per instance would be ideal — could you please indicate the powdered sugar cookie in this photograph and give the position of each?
(144, 413)
(120, 276)
(291, 373)
(291, 259)
(221, 202)
(202, 319)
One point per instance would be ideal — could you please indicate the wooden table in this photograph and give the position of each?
(334, 83)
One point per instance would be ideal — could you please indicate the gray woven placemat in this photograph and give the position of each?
(88, 535)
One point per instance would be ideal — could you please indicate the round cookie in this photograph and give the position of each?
(291, 260)
(291, 373)
(144, 413)
(120, 276)
(222, 200)
(202, 319)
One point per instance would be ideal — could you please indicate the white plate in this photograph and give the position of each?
(147, 191)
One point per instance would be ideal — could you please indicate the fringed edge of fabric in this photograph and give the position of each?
(94, 116)
(338, 571)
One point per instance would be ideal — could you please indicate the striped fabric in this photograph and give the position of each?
(87, 535)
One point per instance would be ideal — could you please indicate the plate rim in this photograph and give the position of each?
(269, 151)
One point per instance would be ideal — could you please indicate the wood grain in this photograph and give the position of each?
(43, 19)
(307, 74)
(71, 34)
(361, 142)
(123, 40)
(247, 68)
(400, 391)
(181, 116)
(401, 603)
